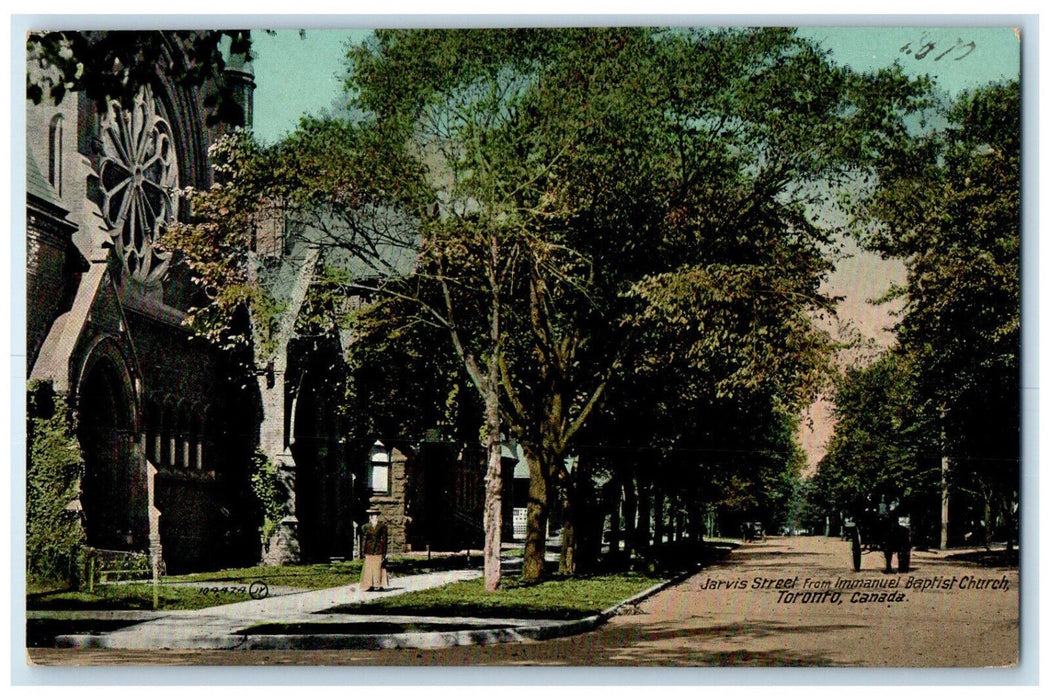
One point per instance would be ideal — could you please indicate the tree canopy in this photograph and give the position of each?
(949, 206)
(622, 234)
(628, 185)
(116, 65)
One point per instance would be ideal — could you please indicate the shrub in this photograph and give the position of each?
(268, 491)
(54, 531)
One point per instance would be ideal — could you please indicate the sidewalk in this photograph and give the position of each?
(226, 626)
(221, 627)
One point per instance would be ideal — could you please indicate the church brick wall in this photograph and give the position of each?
(45, 286)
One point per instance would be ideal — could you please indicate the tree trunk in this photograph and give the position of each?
(945, 469)
(677, 519)
(696, 520)
(613, 506)
(987, 514)
(644, 528)
(493, 518)
(1008, 520)
(567, 557)
(630, 514)
(536, 517)
(660, 525)
(589, 521)
(573, 509)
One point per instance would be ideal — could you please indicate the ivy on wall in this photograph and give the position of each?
(268, 491)
(54, 532)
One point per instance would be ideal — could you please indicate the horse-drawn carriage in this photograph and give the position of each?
(881, 531)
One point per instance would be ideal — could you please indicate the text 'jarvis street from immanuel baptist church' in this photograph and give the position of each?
(913, 583)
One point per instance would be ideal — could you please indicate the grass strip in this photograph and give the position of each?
(231, 585)
(135, 596)
(317, 576)
(559, 598)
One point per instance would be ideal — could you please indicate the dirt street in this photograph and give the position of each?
(782, 602)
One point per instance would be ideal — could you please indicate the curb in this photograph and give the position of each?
(634, 600)
(441, 640)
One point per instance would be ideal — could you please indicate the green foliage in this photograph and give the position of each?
(222, 587)
(54, 533)
(135, 596)
(621, 200)
(105, 65)
(620, 227)
(401, 379)
(949, 205)
(881, 449)
(268, 491)
(558, 598)
(961, 240)
(321, 190)
(235, 310)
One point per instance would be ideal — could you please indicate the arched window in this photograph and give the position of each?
(54, 153)
(196, 439)
(167, 448)
(153, 432)
(182, 438)
(379, 469)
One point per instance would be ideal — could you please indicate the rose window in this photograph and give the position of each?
(138, 176)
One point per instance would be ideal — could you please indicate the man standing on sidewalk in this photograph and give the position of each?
(373, 549)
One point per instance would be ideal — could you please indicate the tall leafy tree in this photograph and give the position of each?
(591, 185)
(949, 206)
(883, 448)
(582, 204)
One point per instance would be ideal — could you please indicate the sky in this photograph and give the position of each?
(297, 75)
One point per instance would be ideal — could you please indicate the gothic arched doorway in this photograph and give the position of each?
(112, 495)
(323, 484)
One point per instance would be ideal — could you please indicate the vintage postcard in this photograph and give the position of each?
(626, 346)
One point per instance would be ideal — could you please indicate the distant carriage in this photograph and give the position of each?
(752, 531)
(889, 533)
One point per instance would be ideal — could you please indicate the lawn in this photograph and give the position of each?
(230, 585)
(558, 598)
(305, 576)
(134, 596)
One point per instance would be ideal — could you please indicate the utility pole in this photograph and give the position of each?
(944, 480)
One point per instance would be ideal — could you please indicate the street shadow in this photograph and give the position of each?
(633, 645)
(992, 559)
(779, 658)
(781, 563)
(769, 554)
(748, 630)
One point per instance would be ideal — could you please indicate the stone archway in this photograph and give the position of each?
(113, 487)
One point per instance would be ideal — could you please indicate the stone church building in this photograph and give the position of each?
(167, 431)
(165, 450)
